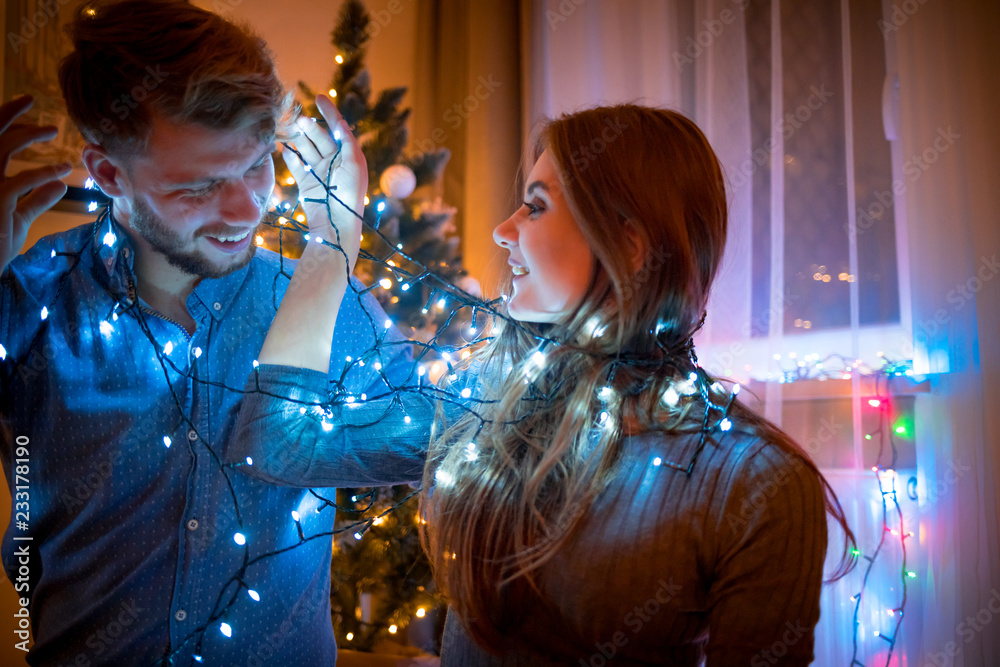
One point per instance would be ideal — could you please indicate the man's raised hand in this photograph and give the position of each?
(30, 193)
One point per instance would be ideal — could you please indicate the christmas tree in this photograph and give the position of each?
(381, 579)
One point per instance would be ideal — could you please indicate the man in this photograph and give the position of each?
(126, 345)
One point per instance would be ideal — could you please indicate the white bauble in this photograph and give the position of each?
(398, 181)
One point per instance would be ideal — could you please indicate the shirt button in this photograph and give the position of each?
(181, 615)
(192, 435)
(217, 305)
(193, 524)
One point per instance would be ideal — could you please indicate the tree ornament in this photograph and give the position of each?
(398, 181)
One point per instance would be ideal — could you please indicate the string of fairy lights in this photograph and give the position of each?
(441, 294)
(715, 398)
(839, 367)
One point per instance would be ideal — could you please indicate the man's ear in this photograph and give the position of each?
(105, 170)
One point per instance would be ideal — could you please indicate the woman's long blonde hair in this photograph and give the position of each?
(507, 483)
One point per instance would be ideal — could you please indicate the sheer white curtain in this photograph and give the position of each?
(692, 55)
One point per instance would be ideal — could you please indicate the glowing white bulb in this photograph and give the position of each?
(693, 377)
(239, 539)
(197, 658)
(253, 594)
(405, 288)
(167, 441)
(380, 207)
(388, 323)
(725, 424)
(392, 629)
(3, 353)
(91, 207)
(53, 255)
(256, 364)
(249, 461)
(736, 388)
(109, 238)
(89, 184)
(350, 636)
(357, 536)
(470, 452)
(441, 304)
(226, 629)
(421, 612)
(45, 313)
(197, 352)
(385, 283)
(114, 317)
(169, 347)
(657, 461)
(670, 396)
(327, 426)
(295, 515)
(538, 357)
(407, 419)
(466, 393)
(443, 477)
(106, 328)
(604, 393)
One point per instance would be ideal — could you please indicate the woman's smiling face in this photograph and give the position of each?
(551, 260)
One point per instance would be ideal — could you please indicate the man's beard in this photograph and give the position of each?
(168, 243)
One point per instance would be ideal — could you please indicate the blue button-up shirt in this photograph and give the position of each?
(138, 540)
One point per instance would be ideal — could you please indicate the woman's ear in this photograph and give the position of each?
(638, 246)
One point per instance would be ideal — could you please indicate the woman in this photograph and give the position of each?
(600, 498)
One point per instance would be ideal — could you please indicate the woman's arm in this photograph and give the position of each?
(771, 540)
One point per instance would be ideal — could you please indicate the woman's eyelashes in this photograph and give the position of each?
(533, 209)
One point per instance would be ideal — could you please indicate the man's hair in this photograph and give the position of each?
(135, 59)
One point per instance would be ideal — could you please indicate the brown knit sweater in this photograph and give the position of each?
(724, 565)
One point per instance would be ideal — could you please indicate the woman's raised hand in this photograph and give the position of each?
(348, 178)
(30, 193)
